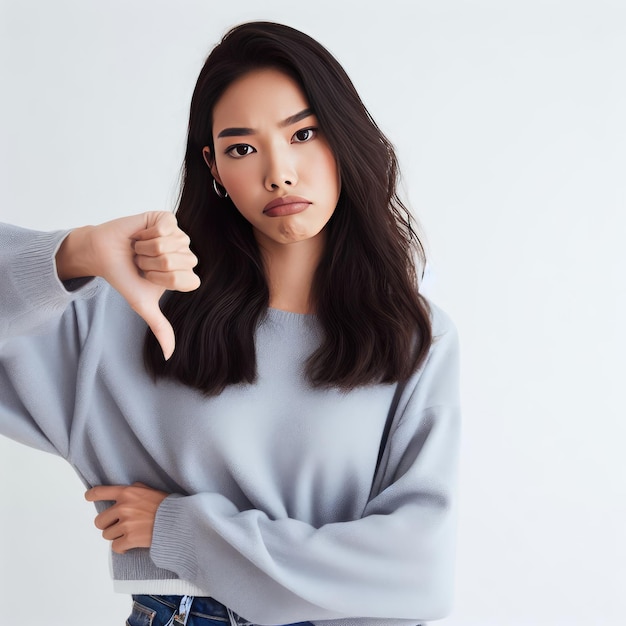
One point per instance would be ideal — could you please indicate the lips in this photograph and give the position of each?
(287, 205)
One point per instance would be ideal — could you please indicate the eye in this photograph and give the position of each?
(306, 134)
(240, 150)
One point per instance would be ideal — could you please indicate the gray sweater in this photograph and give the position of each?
(276, 507)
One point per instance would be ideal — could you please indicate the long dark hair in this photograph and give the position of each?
(376, 325)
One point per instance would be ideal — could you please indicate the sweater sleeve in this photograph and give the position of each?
(393, 563)
(40, 337)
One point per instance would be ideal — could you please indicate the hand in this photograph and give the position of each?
(140, 256)
(129, 523)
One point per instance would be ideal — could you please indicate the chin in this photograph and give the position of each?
(291, 235)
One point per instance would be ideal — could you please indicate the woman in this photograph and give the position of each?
(281, 443)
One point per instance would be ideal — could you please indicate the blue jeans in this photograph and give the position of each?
(159, 611)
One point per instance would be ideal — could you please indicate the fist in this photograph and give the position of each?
(141, 256)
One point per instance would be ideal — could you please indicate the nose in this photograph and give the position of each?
(280, 171)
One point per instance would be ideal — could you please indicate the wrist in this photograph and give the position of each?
(74, 258)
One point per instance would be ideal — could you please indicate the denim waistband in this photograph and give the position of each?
(166, 610)
(205, 607)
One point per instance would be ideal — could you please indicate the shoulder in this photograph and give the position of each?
(442, 324)
(436, 381)
(445, 337)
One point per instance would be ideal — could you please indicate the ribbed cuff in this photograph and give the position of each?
(183, 531)
(173, 546)
(34, 271)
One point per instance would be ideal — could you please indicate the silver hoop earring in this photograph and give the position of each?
(221, 193)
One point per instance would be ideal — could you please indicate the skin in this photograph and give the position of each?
(282, 153)
(129, 522)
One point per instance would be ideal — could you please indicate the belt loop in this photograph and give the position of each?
(231, 618)
(182, 615)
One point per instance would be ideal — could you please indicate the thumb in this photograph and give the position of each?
(160, 326)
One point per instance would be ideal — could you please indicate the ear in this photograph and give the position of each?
(210, 161)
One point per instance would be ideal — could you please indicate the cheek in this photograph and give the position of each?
(234, 177)
(332, 176)
(326, 169)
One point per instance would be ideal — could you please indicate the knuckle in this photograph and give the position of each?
(158, 278)
(154, 277)
(166, 221)
(160, 228)
(124, 511)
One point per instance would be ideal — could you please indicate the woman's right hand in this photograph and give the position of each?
(141, 256)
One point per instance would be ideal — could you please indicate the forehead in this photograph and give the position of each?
(259, 98)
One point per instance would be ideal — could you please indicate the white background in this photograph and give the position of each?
(510, 126)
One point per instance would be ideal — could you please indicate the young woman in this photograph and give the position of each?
(263, 405)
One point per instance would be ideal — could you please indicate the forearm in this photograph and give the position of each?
(139, 255)
(382, 566)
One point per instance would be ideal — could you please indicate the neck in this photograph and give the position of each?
(290, 269)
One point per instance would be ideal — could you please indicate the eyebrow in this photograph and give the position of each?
(292, 119)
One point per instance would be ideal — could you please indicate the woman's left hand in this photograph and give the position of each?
(130, 521)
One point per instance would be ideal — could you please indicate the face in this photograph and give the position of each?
(272, 159)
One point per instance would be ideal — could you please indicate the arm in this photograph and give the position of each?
(140, 256)
(43, 323)
(394, 562)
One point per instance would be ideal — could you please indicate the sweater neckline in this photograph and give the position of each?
(281, 314)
